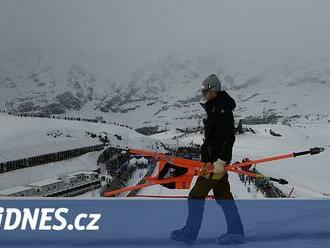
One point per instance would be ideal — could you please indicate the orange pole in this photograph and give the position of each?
(259, 161)
(188, 162)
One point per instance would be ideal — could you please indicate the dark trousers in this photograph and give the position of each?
(223, 197)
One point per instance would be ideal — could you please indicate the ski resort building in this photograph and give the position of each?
(18, 191)
(79, 176)
(70, 181)
(90, 176)
(68, 185)
(47, 186)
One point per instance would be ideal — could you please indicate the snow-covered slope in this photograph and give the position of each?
(29, 131)
(308, 176)
(27, 137)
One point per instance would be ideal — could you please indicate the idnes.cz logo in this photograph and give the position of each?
(46, 219)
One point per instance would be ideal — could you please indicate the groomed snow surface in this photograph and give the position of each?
(308, 176)
(25, 137)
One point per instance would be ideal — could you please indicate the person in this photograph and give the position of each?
(219, 138)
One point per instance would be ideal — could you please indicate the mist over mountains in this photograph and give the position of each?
(164, 91)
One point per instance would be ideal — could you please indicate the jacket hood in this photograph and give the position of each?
(222, 101)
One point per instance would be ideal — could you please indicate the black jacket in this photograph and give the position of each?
(219, 128)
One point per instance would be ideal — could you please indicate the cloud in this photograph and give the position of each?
(135, 30)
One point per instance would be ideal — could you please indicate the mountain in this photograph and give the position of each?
(31, 83)
(166, 92)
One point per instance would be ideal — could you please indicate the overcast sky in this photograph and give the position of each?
(130, 30)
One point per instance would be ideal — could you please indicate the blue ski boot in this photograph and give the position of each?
(179, 235)
(231, 239)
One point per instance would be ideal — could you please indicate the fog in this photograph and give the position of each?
(128, 32)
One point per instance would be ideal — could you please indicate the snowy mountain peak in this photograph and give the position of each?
(166, 91)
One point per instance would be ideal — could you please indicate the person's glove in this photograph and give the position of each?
(219, 169)
(205, 169)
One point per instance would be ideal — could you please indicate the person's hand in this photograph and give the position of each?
(205, 169)
(219, 169)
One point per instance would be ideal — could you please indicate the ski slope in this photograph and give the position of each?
(308, 176)
(23, 137)
(33, 131)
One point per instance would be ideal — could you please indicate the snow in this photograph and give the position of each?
(26, 136)
(90, 194)
(142, 161)
(282, 88)
(159, 93)
(137, 176)
(20, 152)
(238, 190)
(308, 176)
(33, 131)
(45, 182)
